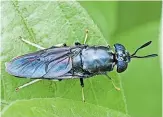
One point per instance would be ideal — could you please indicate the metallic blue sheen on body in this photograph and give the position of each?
(63, 62)
(79, 61)
(97, 59)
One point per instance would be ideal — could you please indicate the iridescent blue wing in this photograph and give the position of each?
(48, 63)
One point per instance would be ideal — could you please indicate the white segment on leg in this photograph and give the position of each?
(86, 36)
(34, 81)
(83, 97)
(31, 82)
(59, 45)
(33, 44)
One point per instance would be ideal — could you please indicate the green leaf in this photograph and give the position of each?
(57, 108)
(47, 24)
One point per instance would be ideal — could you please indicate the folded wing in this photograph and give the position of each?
(48, 63)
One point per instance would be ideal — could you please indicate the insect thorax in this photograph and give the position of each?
(94, 59)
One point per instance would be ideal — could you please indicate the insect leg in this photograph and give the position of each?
(29, 83)
(86, 36)
(117, 88)
(32, 44)
(60, 45)
(38, 46)
(82, 85)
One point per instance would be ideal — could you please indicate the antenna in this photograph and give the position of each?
(143, 46)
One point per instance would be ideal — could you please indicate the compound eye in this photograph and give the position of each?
(121, 66)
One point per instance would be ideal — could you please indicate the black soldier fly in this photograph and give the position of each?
(66, 62)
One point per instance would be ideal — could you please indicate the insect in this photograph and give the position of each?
(66, 62)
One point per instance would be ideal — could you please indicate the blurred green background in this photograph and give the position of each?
(133, 24)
